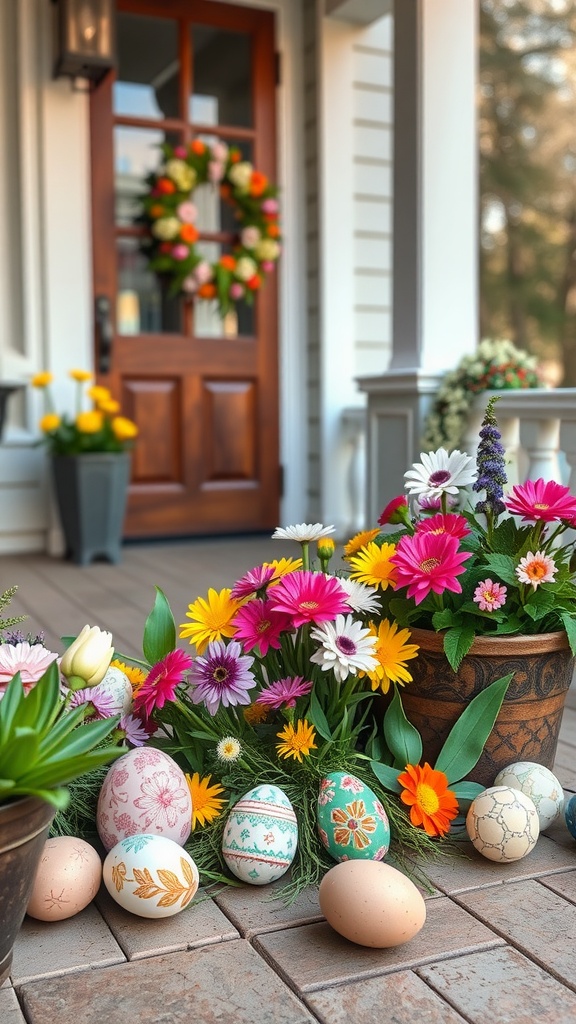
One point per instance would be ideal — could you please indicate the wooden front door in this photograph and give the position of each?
(203, 391)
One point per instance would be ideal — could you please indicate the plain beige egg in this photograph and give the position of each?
(67, 880)
(371, 903)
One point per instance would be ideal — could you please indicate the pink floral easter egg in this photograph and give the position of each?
(145, 791)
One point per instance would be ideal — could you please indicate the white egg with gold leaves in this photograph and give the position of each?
(144, 791)
(150, 876)
(352, 822)
(260, 836)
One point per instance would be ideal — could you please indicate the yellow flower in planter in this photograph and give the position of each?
(124, 429)
(90, 422)
(50, 422)
(96, 429)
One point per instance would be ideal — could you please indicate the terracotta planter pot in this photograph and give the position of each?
(91, 493)
(528, 724)
(24, 827)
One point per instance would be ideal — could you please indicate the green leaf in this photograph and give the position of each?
(465, 793)
(387, 776)
(9, 706)
(318, 719)
(569, 624)
(468, 736)
(403, 740)
(502, 566)
(445, 619)
(159, 630)
(457, 643)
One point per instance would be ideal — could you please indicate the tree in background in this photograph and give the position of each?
(527, 137)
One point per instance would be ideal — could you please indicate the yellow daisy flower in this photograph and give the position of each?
(134, 674)
(372, 565)
(98, 393)
(42, 380)
(81, 375)
(282, 566)
(109, 405)
(358, 541)
(50, 422)
(211, 619)
(392, 652)
(89, 422)
(254, 714)
(296, 742)
(206, 802)
(123, 428)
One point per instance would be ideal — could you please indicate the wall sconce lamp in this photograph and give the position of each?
(85, 39)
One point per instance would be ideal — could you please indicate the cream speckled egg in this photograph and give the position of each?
(150, 876)
(67, 879)
(260, 836)
(537, 782)
(371, 903)
(144, 791)
(502, 824)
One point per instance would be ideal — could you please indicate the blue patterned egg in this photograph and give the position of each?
(570, 815)
(352, 822)
(260, 836)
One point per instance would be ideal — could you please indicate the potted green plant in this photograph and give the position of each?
(90, 463)
(44, 745)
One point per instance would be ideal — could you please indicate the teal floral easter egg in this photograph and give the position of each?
(260, 836)
(352, 822)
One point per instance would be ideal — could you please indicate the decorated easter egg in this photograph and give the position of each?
(539, 784)
(150, 876)
(371, 903)
(502, 824)
(352, 822)
(144, 791)
(67, 879)
(570, 815)
(260, 836)
(118, 688)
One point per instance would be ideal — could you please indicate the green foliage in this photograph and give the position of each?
(43, 746)
(159, 630)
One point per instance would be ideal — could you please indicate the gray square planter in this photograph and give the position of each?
(91, 493)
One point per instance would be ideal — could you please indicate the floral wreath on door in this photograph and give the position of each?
(170, 215)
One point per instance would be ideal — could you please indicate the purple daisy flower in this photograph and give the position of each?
(222, 676)
(284, 692)
(100, 703)
(134, 730)
(253, 581)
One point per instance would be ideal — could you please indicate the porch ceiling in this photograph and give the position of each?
(360, 12)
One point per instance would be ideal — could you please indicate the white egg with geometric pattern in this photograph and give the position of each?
(537, 782)
(260, 836)
(502, 824)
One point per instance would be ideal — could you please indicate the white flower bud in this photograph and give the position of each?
(87, 660)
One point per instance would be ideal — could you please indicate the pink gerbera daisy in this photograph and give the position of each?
(429, 561)
(451, 523)
(309, 597)
(536, 569)
(161, 682)
(284, 692)
(30, 660)
(396, 511)
(253, 581)
(258, 625)
(542, 500)
(490, 596)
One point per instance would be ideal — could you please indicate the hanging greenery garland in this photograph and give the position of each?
(170, 215)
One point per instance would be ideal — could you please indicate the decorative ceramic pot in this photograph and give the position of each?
(528, 724)
(24, 827)
(91, 492)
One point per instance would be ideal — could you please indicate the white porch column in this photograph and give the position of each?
(435, 230)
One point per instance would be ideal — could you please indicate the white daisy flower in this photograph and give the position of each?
(302, 532)
(536, 569)
(440, 473)
(360, 597)
(228, 749)
(346, 647)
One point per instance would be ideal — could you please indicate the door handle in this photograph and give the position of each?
(104, 332)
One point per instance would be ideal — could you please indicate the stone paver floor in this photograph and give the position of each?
(498, 945)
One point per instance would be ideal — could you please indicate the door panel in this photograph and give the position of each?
(203, 391)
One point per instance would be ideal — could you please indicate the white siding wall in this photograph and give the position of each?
(372, 210)
(312, 174)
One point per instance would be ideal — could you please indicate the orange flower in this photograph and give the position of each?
(198, 147)
(156, 211)
(254, 282)
(431, 803)
(273, 230)
(258, 183)
(207, 291)
(228, 262)
(166, 186)
(188, 233)
(235, 156)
